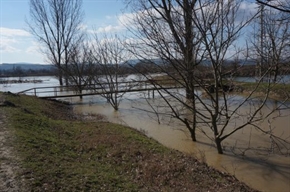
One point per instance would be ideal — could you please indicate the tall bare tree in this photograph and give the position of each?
(277, 42)
(271, 43)
(56, 26)
(165, 30)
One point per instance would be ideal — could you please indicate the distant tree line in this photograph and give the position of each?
(19, 72)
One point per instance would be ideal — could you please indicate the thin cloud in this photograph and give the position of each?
(8, 49)
(126, 19)
(33, 49)
(83, 27)
(9, 32)
(122, 21)
(6, 44)
(10, 38)
(107, 29)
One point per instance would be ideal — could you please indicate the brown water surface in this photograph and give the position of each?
(252, 164)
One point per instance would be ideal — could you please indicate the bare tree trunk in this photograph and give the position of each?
(194, 115)
(60, 77)
(219, 145)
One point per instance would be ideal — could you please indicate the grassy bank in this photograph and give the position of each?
(277, 91)
(62, 152)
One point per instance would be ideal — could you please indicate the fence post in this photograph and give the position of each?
(34, 92)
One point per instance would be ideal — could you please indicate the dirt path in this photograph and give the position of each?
(8, 160)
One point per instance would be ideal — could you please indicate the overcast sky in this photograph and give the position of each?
(17, 45)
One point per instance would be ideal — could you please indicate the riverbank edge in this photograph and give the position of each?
(274, 91)
(174, 170)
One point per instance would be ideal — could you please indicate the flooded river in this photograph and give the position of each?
(257, 168)
(251, 160)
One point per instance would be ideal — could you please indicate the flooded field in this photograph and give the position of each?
(247, 153)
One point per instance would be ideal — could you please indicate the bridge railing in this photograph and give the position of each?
(48, 91)
(100, 88)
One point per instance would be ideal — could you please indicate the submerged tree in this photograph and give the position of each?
(82, 69)
(108, 53)
(56, 26)
(193, 39)
(165, 30)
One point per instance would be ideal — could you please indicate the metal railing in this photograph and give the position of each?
(95, 89)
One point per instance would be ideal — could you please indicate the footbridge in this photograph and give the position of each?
(99, 89)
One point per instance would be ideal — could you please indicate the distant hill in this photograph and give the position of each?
(133, 62)
(25, 66)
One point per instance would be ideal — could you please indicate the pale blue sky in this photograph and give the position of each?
(17, 45)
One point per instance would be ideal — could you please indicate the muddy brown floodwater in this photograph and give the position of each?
(247, 153)
(257, 167)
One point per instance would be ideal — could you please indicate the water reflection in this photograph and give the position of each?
(17, 87)
(281, 79)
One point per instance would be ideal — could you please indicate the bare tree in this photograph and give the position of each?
(277, 42)
(109, 53)
(270, 44)
(56, 26)
(220, 27)
(82, 70)
(277, 33)
(165, 30)
(189, 35)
